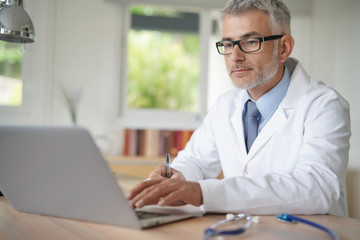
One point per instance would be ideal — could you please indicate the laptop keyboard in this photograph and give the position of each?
(147, 215)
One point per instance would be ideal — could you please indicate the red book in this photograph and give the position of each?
(133, 142)
(178, 140)
(126, 148)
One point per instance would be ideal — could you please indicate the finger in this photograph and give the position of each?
(141, 201)
(166, 202)
(172, 199)
(158, 172)
(148, 196)
(152, 194)
(140, 187)
(178, 176)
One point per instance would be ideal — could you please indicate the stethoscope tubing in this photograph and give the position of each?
(210, 232)
(292, 219)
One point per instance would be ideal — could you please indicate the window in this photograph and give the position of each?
(165, 70)
(163, 59)
(11, 87)
(174, 89)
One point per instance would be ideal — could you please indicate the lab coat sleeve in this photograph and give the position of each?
(314, 186)
(199, 160)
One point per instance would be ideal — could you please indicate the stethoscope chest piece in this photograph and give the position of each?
(285, 218)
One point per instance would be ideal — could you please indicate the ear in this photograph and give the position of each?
(286, 45)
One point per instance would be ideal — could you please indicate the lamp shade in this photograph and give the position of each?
(15, 23)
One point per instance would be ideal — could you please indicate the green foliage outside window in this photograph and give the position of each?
(163, 70)
(11, 86)
(10, 60)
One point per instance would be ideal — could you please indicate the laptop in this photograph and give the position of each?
(59, 171)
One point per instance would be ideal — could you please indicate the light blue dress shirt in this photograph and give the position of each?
(270, 101)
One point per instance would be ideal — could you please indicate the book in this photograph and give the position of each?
(154, 142)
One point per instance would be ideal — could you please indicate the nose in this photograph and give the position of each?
(237, 54)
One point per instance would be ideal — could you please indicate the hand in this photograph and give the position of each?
(160, 172)
(166, 192)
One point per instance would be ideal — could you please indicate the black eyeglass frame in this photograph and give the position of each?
(237, 42)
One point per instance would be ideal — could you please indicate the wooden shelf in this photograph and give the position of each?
(138, 166)
(135, 159)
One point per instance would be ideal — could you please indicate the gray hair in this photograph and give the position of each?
(279, 14)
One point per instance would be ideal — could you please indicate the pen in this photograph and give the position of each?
(168, 172)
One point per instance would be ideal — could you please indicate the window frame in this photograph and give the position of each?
(160, 118)
(36, 72)
(10, 113)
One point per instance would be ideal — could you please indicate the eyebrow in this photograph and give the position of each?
(249, 34)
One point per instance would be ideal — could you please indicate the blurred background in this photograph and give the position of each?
(113, 66)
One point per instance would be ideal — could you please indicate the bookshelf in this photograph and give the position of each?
(145, 148)
(153, 143)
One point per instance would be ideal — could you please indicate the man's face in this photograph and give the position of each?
(250, 70)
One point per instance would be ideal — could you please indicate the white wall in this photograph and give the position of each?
(336, 52)
(77, 44)
(86, 56)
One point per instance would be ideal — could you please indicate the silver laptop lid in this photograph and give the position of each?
(59, 171)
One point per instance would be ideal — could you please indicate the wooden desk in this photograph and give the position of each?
(16, 225)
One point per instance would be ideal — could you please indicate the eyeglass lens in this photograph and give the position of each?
(246, 45)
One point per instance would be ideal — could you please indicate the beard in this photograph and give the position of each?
(263, 74)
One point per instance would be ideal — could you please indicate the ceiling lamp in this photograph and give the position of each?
(15, 23)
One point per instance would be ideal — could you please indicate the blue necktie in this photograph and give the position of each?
(252, 114)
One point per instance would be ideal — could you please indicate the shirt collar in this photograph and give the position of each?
(270, 101)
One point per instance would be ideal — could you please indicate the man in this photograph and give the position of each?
(290, 156)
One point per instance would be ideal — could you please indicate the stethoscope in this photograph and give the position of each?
(213, 229)
(293, 219)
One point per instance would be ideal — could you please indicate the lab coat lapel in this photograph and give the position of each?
(277, 121)
(238, 126)
(298, 85)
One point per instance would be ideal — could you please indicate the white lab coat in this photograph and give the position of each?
(297, 164)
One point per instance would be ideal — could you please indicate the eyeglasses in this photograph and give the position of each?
(247, 45)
